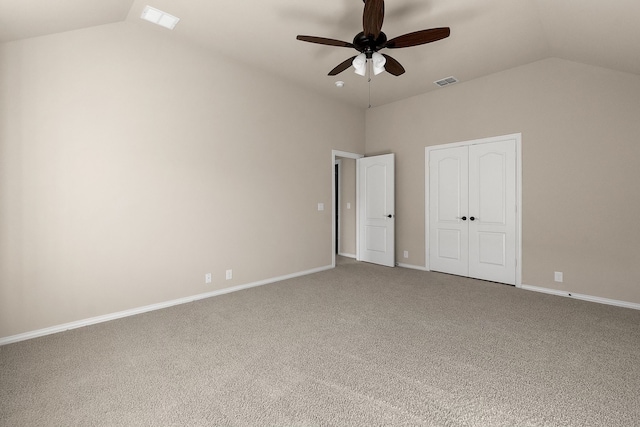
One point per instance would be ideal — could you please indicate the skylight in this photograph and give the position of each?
(159, 17)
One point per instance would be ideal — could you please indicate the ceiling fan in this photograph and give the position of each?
(372, 39)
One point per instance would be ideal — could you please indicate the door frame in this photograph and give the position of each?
(518, 140)
(347, 155)
(336, 199)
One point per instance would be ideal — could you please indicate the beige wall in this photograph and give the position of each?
(348, 216)
(132, 164)
(581, 166)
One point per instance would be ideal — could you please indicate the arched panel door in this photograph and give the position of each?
(472, 210)
(376, 192)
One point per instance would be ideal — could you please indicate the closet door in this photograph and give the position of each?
(472, 211)
(448, 210)
(492, 211)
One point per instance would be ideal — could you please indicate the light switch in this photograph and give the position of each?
(348, 205)
(320, 206)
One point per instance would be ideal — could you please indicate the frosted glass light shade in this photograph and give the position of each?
(378, 63)
(360, 64)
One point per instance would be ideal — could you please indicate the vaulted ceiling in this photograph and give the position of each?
(486, 36)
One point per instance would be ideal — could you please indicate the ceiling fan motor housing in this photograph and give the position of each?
(368, 45)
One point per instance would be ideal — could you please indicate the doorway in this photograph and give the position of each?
(344, 205)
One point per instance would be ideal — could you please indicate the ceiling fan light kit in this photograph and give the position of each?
(372, 39)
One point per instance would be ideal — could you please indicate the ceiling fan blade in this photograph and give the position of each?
(373, 17)
(343, 66)
(325, 41)
(418, 38)
(392, 66)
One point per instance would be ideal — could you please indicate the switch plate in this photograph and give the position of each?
(348, 205)
(320, 206)
(207, 278)
(557, 276)
(229, 274)
(406, 254)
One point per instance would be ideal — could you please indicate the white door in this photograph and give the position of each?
(472, 210)
(376, 194)
(448, 210)
(492, 211)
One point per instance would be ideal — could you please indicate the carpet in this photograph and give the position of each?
(357, 345)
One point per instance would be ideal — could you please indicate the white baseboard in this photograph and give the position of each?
(132, 312)
(347, 255)
(583, 297)
(413, 267)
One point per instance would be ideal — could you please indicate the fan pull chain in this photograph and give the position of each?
(369, 67)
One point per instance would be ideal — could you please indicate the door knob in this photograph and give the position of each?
(472, 218)
(464, 218)
(389, 216)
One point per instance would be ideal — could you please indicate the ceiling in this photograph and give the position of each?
(486, 36)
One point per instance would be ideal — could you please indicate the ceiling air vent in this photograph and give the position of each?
(446, 82)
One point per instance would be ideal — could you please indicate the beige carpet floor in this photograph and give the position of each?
(358, 345)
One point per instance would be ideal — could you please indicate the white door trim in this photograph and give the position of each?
(336, 200)
(334, 155)
(518, 139)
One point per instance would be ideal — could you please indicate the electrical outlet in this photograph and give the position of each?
(406, 254)
(207, 278)
(557, 276)
(320, 206)
(229, 274)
